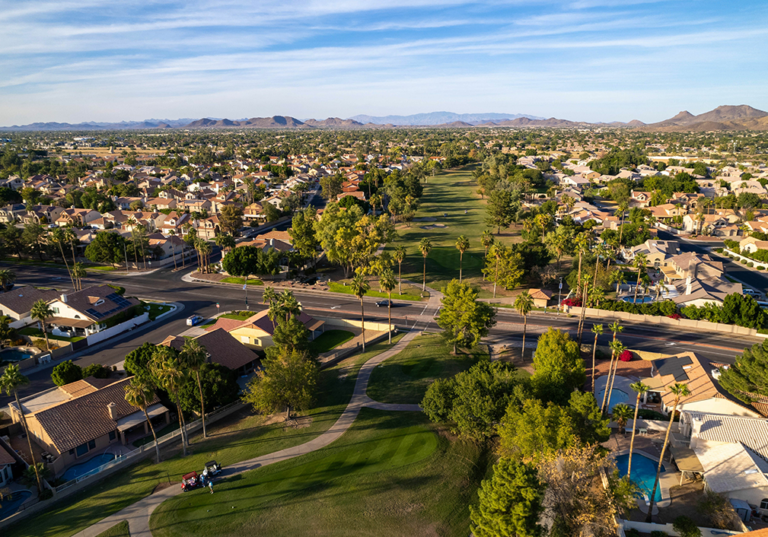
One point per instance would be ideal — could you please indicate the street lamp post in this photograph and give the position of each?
(559, 294)
(245, 288)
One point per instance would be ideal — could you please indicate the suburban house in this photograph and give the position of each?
(207, 228)
(639, 199)
(89, 417)
(10, 213)
(657, 252)
(222, 349)
(6, 466)
(752, 245)
(733, 454)
(698, 279)
(256, 331)
(76, 217)
(541, 297)
(89, 311)
(18, 302)
(710, 224)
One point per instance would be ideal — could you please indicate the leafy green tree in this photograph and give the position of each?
(331, 186)
(287, 381)
(303, 234)
(503, 205)
(12, 238)
(245, 261)
(747, 378)
(7, 278)
(194, 356)
(463, 319)
(685, 527)
(218, 384)
(231, 219)
(140, 393)
(558, 367)
(503, 267)
(473, 401)
(511, 502)
(95, 370)
(107, 247)
(587, 420)
(535, 430)
(34, 236)
(137, 362)
(271, 213)
(171, 375)
(10, 383)
(290, 334)
(66, 372)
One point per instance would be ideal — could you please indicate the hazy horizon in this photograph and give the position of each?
(583, 60)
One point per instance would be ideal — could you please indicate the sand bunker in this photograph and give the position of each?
(433, 226)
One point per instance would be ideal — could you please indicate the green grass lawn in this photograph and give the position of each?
(404, 378)
(241, 281)
(118, 530)
(239, 437)
(155, 310)
(450, 194)
(104, 268)
(337, 287)
(390, 474)
(237, 315)
(330, 339)
(30, 331)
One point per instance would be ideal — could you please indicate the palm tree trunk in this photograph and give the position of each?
(45, 333)
(496, 277)
(525, 329)
(202, 404)
(362, 317)
(424, 281)
(152, 428)
(64, 258)
(74, 260)
(173, 249)
(612, 378)
(181, 428)
(649, 516)
(578, 280)
(637, 284)
(594, 351)
(605, 391)
(29, 441)
(632, 441)
(143, 256)
(183, 257)
(399, 278)
(389, 317)
(461, 260)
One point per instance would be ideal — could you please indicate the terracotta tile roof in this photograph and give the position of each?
(86, 418)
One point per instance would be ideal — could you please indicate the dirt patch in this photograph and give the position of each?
(162, 486)
(301, 422)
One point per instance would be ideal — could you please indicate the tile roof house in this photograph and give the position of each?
(86, 312)
(75, 421)
(698, 279)
(658, 253)
(18, 302)
(222, 348)
(256, 331)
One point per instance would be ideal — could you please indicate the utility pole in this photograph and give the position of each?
(125, 251)
(559, 294)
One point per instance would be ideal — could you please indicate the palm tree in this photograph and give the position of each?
(171, 376)
(680, 391)
(617, 347)
(582, 245)
(621, 414)
(359, 288)
(584, 305)
(57, 236)
(622, 208)
(619, 277)
(7, 277)
(194, 357)
(524, 305)
(10, 383)
(40, 312)
(425, 245)
(79, 272)
(140, 393)
(462, 245)
(486, 240)
(660, 288)
(597, 329)
(400, 257)
(290, 306)
(639, 263)
(133, 223)
(640, 388)
(269, 296)
(387, 283)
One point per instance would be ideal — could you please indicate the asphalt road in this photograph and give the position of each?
(199, 298)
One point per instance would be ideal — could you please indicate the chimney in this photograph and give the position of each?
(688, 285)
(112, 413)
(64, 298)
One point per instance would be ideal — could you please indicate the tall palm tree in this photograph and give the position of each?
(622, 208)
(597, 329)
(140, 393)
(425, 245)
(621, 414)
(620, 278)
(171, 375)
(290, 306)
(57, 237)
(640, 388)
(524, 305)
(660, 288)
(359, 288)
(269, 296)
(141, 231)
(387, 282)
(40, 312)
(680, 391)
(617, 347)
(79, 272)
(400, 257)
(582, 245)
(584, 305)
(133, 223)
(10, 383)
(486, 240)
(462, 245)
(640, 262)
(194, 357)
(7, 277)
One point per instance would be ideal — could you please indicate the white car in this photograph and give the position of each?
(193, 320)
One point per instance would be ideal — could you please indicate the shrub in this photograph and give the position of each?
(750, 264)
(45, 495)
(573, 302)
(632, 532)
(743, 261)
(686, 527)
(657, 533)
(96, 370)
(675, 316)
(719, 250)
(119, 290)
(625, 356)
(66, 372)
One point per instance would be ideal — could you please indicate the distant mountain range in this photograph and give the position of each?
(722, 118)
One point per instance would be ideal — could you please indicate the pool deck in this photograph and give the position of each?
(649, 446)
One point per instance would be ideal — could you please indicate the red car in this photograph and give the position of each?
(191, 481)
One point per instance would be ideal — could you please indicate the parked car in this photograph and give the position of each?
(384, 303)
(212, 468)
(191, 481)
(193, 320)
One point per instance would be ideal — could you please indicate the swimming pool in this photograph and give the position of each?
(9, 507)
(640, 300)
(617, 396)
(643, 472)
(83, 468)
(14, 355)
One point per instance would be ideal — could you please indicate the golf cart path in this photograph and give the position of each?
(139, 513)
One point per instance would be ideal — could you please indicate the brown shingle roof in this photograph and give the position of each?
(86, 418)
(5, 457)
(20, 299)
(222, 348)
(88, 298)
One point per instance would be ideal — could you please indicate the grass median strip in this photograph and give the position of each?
(330, 339)
(337, 287)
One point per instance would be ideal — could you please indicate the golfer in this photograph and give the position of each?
(210, 485)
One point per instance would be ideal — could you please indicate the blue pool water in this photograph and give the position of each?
(640, 299)
(13, 355)
(643, 472)
(9, 507)
(617, 396)
(83, 468)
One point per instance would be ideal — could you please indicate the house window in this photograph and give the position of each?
(92, 444)
(112, 435)
(244, 339)
(764, 503)
(81, 450)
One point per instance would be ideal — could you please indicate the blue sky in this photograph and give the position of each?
(591, 60)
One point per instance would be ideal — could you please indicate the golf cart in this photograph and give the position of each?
(211, 469)
(191, 481)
